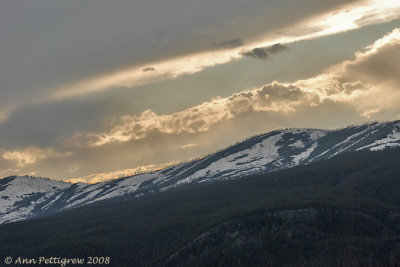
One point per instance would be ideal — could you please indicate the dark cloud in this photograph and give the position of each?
(264, 52)
(230, 43)
(149, 69)
(259, 53)
(276, 48)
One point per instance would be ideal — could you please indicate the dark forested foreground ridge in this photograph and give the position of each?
(344, 211)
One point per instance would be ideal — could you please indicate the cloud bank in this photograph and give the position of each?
(272, 97)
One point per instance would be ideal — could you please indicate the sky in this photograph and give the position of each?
(93, 90)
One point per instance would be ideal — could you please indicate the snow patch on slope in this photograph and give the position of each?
(250, 159)
(317, 134)
(22, 188)
(297, 144)
(392, 140)
(304, 155)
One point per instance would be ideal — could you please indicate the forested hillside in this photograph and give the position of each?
(344, 211)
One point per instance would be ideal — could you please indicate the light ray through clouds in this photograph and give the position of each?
(348, 18)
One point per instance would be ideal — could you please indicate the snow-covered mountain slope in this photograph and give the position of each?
(19, 195)
(24, 197)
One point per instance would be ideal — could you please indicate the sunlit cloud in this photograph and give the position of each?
(73, 168)
(348, 18)
(353, 81)
(272, 97)
(189, 146)
(4, 113)
(369, 113)
(31, 155)
(370, 82)
(372, 70)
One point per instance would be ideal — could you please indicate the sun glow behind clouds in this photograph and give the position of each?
(345, 19)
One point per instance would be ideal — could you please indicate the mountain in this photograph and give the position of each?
(25, 197)
(343, 211)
